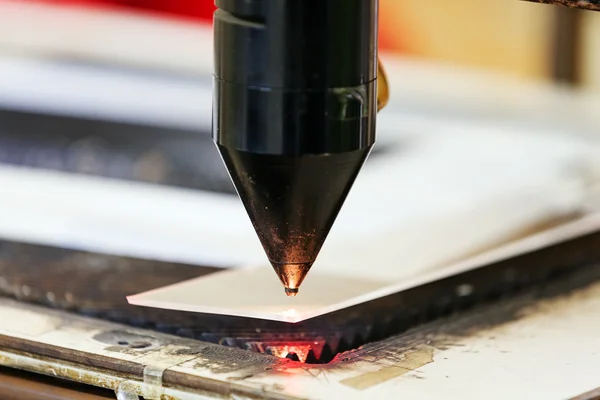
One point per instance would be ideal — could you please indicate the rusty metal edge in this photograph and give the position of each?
(593, 5)
(125, 370)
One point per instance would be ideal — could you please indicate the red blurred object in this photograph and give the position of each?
(195, 9)
(200, 10)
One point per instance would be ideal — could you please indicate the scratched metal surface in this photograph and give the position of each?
(18, 385)
(583, 4)
(542, 344)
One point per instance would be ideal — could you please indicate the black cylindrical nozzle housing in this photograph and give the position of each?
(295, 77)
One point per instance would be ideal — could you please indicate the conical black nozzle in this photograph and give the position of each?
(292, 202)
(295, 101)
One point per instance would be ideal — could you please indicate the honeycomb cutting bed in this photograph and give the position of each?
(96, 285)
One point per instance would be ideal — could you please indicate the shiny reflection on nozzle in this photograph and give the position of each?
(291, 292)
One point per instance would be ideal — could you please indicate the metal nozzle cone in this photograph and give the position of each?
(292, 201)
(292, 275)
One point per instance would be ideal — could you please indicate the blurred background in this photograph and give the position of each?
(510, 36)
(143, 67)
(121, 90)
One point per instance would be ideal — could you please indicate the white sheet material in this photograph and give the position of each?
(453, 191)
(252, 292)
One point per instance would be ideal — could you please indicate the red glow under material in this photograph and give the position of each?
(283, 351)
(300, 348)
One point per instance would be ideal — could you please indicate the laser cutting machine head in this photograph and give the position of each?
(295, 101)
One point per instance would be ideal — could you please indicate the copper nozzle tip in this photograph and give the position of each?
(292, 275)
